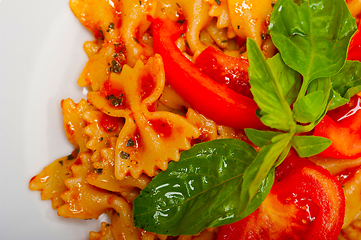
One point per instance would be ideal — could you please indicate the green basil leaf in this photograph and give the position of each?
(346, 83)
(308, 107)
(307, 146)
(267, 92)
(312, 36)
(314, 109)
(283, 155)
(322, 84)
(260, 138)
(338, 100)
(201, 190)
(262, 165)
(290, 80)
(261, 194)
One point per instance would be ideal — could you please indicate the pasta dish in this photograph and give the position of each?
(214, 119)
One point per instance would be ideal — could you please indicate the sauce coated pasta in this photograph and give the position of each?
(196, 121)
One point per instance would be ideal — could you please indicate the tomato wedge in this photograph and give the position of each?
(346, 144)
(305, 202)
(205, 95)
(224, 69)
(343, 127)
(354, 50)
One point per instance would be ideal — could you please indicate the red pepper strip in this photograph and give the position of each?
(305, 202)
(209, 98)
(354, 50)
(224, 69)
(346, 144)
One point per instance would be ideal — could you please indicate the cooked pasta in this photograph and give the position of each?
(133, 123)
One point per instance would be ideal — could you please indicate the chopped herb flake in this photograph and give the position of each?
(124, 155)
(218, 2)
(99, 170)
(61, 162)
(116, 101)
(116, 68)
(101, 32)
(130, 143)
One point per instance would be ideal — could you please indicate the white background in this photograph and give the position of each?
(41, 57)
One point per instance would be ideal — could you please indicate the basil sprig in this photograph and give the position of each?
(201, 190)
(223, 181)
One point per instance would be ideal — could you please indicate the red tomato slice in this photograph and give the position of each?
(354, 50)
(306, 202)
(227, 70)
(345, 142)
(348, 115)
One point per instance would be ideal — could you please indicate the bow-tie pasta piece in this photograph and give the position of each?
(353, 231)
(50, 181)
(98, 16)
(157, 136)
(105, 233)
(74, 123)
(207, 127)
(250, 18)
(219, 9)
(134, 30)
(124, 93)
(102, 61)
(100, 128)
(103, 177)
(121, 29)
(196, 14)
(106, 53)
(85, 201)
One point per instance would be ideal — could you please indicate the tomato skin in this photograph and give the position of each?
(348, 115)
(354, 50)
(346, 144)
(306, 202)
(209, 98)
(227, 70)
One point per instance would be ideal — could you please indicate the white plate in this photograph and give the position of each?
(41, 57)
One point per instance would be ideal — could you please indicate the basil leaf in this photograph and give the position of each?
(315, 109)
(338, 100)
(346, 83)
(261, 166)
(312, 36)
(290, 80)
(322, 84)
(201, 190)
(261, 194)
(307, 108)
(260, 138)
(267, 92)
(313, 106)
(307, 146)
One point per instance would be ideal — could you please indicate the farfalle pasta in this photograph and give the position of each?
(133, 124)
